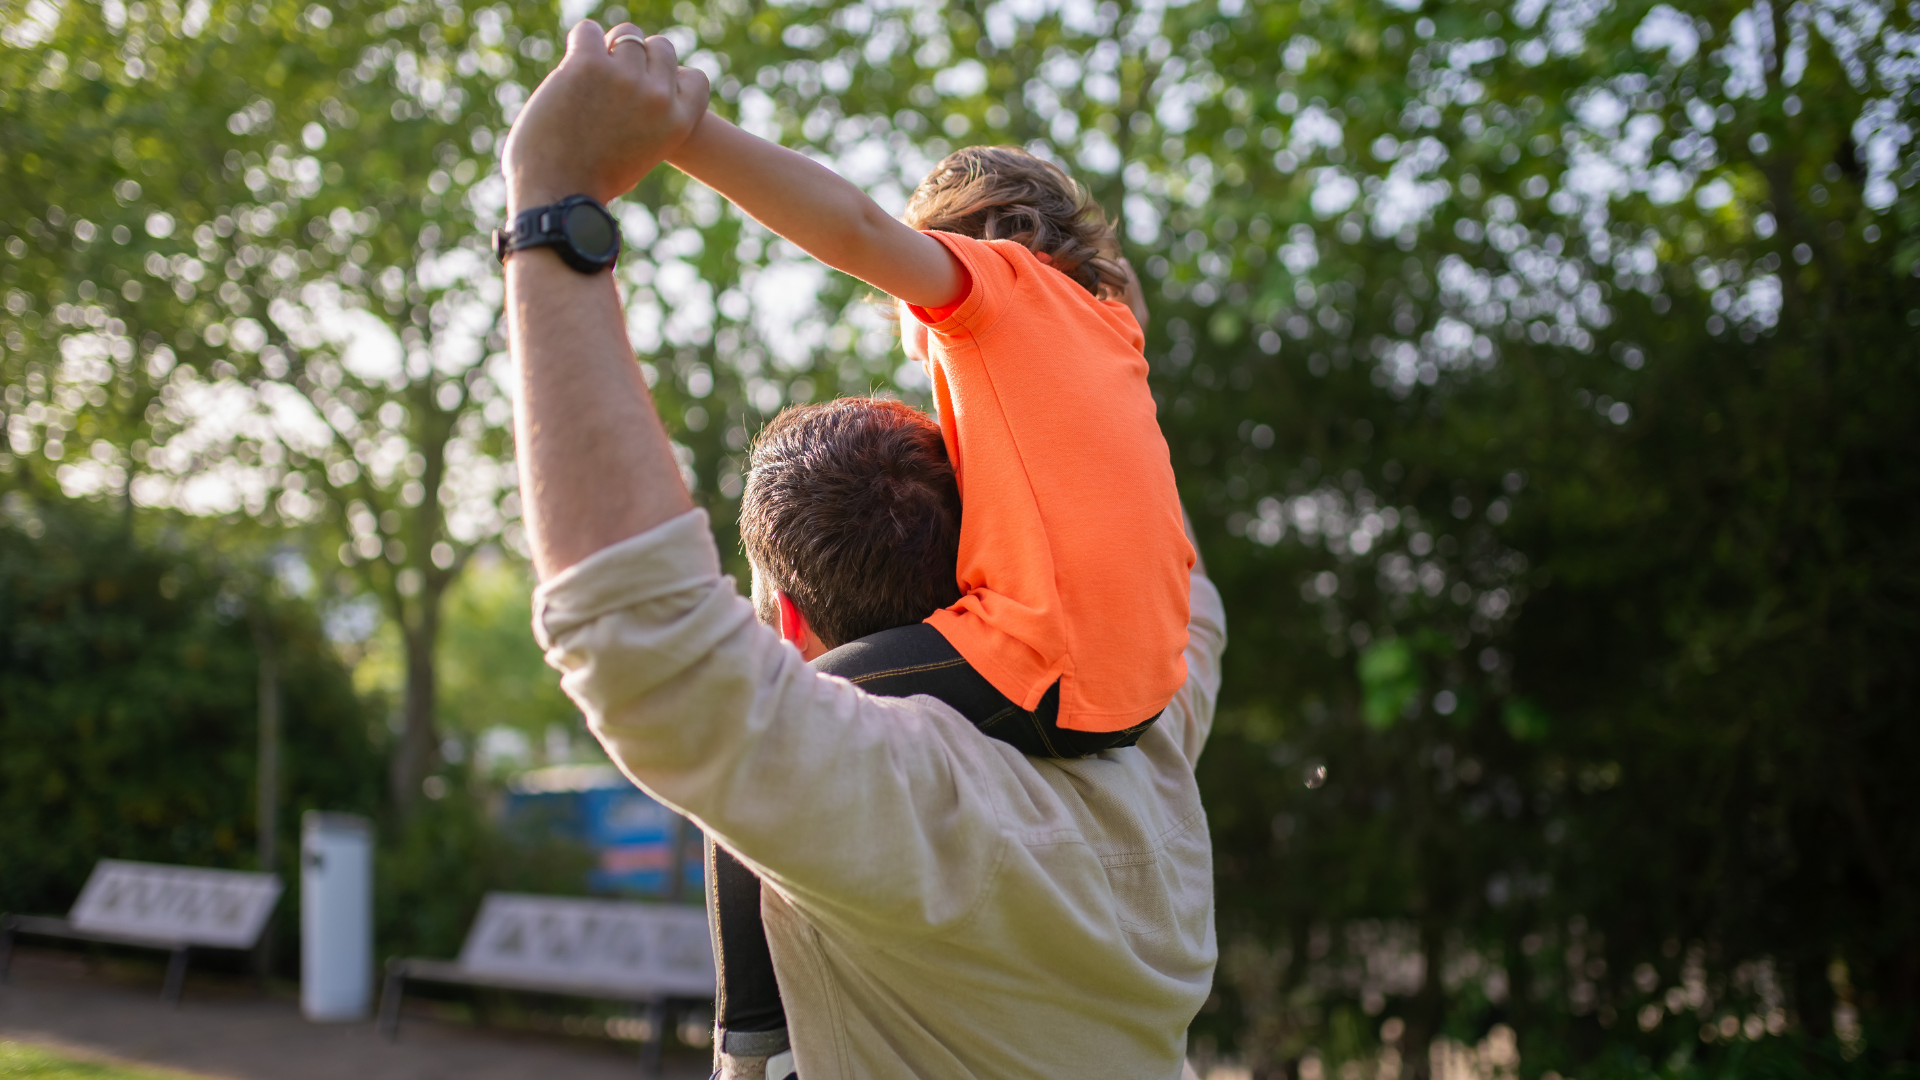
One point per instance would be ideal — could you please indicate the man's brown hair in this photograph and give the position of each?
(851, 509)
(1005, 193)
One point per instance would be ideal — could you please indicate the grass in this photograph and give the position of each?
(25, 1061)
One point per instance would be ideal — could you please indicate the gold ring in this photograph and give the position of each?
(627, 37)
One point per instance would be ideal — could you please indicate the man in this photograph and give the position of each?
(937, 904)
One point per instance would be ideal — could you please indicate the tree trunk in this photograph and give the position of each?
(414, 595)
(419, 746)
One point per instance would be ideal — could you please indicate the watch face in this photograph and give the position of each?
(591, 230)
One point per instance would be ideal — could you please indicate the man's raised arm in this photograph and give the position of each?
(595, 463)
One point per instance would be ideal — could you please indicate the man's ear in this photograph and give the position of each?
(794, 628)
(793, 625)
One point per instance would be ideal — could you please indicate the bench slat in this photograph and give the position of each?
(443, 971)
(54, 926)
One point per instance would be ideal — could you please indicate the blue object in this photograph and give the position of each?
(633, 837)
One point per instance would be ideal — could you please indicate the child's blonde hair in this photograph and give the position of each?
(1005, 193)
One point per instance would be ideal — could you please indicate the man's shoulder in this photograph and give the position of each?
(1128, 801)
(1114, 800)
(1119, 803)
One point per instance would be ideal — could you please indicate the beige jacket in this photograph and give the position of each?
(938, 904)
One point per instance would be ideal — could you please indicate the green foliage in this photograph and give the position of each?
(1524, 720)
(128, 706)
(1642, 512)
(1388, 682)
(128, 711)
(493, 678)
(434, 866)
(493, 675)
(261, 287)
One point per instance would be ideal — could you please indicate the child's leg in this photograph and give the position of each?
(749, 1019)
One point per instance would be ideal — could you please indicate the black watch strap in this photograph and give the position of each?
(578, 228)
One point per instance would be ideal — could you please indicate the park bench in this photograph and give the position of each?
(151, 906)
(656, 956)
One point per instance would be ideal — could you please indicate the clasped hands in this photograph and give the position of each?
(616, 105)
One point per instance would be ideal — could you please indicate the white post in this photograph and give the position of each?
(336, 916)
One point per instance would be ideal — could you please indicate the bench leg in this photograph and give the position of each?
(653, 1048)
(390, 996)
(176, 975)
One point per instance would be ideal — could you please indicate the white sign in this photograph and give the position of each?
(224, 908)
(613, 945)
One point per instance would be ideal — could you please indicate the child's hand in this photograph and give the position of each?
(616, 105)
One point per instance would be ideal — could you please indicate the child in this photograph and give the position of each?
(1073, 561)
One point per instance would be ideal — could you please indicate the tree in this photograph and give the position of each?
(249, 277)
(498, 699)
(1550, 351)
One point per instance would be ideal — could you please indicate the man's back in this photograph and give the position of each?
(937, 904)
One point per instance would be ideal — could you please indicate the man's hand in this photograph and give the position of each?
(602, 119)
(595, 464)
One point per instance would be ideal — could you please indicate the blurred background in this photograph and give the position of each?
(1541, 377)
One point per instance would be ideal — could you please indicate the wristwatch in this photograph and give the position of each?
(577, 227)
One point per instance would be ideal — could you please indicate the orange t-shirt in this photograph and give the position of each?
(1073, 560)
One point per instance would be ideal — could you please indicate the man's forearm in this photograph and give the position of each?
(819, 212)
(595, 464)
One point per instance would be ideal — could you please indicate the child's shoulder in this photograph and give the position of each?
(1008, 276)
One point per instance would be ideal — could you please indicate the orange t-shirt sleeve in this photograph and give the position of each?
(989, 281)
(941, 314)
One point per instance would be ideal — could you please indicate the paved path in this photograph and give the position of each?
(228, 1031)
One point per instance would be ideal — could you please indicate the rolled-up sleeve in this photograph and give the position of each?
(713, 714)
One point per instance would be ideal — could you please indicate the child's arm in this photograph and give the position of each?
(820, 212)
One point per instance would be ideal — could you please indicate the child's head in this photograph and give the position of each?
(1005, 193)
